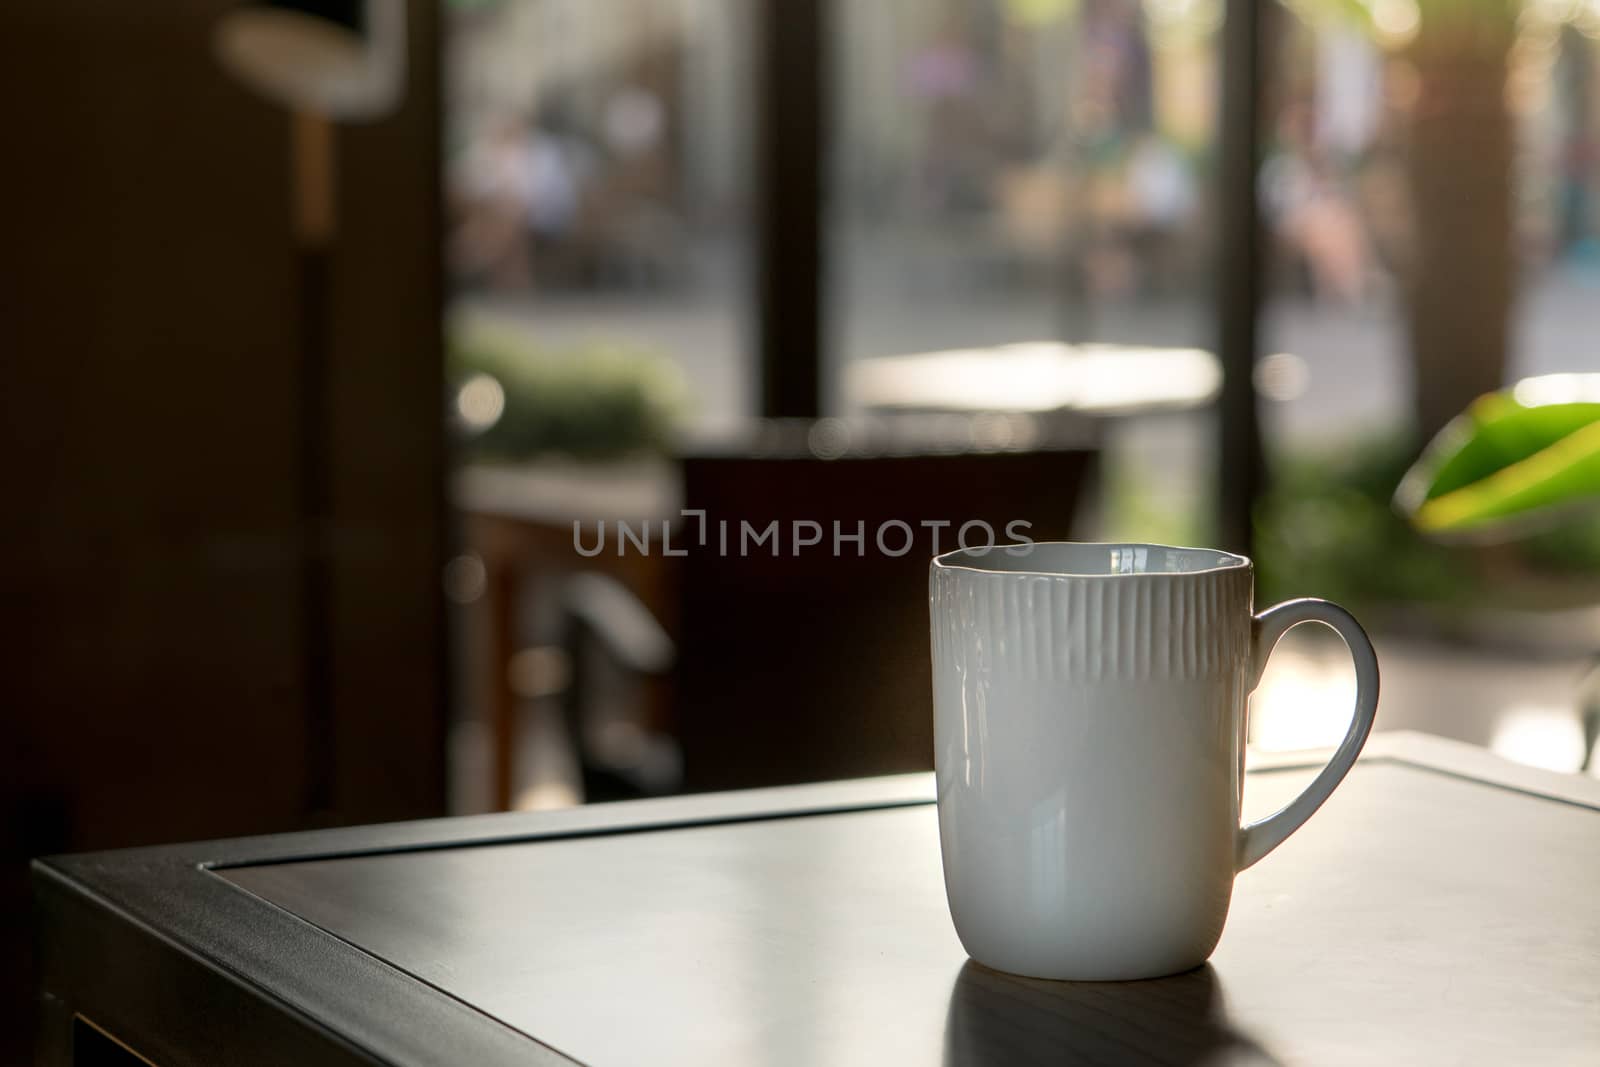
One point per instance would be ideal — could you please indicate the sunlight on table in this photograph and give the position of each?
(1540, 737)
(1308, 690)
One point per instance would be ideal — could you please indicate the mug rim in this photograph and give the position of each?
(970, 559)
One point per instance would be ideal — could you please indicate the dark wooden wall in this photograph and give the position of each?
(150, 682)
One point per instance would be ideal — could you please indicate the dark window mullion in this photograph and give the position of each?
(1239, 262)
(790, 142)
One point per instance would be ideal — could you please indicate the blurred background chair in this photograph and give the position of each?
(814, 665)
(742, 662)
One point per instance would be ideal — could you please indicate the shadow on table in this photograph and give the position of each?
(996, 1020)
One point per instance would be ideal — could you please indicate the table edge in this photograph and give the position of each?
(1423, 751)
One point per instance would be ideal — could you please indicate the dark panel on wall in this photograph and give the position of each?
(388, 441)
(148, 326)
(150, 672)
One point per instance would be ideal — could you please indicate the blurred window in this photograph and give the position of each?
(1017, 171)
(597, 183)
(1429, 180)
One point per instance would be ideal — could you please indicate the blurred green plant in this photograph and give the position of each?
(1522, 466)
(516, 400)
(1326, 528)
(1498, 493)
(1140, 504)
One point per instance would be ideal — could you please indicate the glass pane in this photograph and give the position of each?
(1026, 182)
(598, 183)
(1428, 184)
(597, 210)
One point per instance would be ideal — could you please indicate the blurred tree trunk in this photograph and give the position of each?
(1462, 274)
(1574, 74)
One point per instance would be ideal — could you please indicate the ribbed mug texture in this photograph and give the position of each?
(1092, 627)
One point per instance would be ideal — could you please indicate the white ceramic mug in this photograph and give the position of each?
(1089, 730)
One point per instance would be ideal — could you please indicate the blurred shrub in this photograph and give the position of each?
(1327, 527)
(594, 401)
(1141, 503)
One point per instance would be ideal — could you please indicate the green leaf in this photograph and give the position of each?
(1515, 461)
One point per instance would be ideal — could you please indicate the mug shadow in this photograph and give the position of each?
(999, 1019)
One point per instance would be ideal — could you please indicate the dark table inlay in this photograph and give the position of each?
(1418, 917)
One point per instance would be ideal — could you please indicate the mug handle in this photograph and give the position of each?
(1264, 835)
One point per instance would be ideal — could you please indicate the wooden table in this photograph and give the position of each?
(1442, 908)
